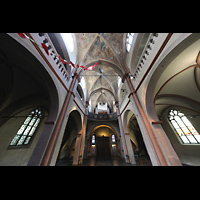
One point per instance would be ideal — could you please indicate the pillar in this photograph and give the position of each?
(128, 151)
(80, 140)
(51, 145)
(162, 155)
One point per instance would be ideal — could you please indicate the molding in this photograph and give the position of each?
(125, 107)
(130, 94)
(156, 122)
(196, 77)
(47, 62)
(156, 96)
(49, 122)
(155, 58)
(79, 108)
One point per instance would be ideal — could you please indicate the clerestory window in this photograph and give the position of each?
(184, 129)
(129, 41)
(27, 129)
(68, 40)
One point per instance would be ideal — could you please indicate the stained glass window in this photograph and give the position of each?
(129, 41)
(184, 128)
(113, 138)
(93, 139)
(27, 129)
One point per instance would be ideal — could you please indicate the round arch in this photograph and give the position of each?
(161, 69)
(136, 139)
(103, 126)
(32, 86)
(73, 127)
(105, 142)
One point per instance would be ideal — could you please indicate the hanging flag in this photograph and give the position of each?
(72, 64)
(61, 60)
(91, 67)
(45, 48)
(65, 62)
(22, 35)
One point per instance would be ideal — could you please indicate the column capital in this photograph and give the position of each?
(86, 103)
(77, 76)
(125, 76)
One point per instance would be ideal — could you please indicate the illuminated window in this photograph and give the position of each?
(27, 129)
(113, 138)
(129, 41)
(68, 40)
(184, 128)
(119, 80)
(93, 139)
(83, 82)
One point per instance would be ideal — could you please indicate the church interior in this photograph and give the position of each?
(99, 99)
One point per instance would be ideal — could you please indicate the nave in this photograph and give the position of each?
(112, 161)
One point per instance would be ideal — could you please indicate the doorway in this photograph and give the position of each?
(103, 144)
(103, 148)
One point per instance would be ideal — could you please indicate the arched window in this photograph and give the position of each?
(27, 129)
(93, 139)
(113, 138)
(129, 41)
(68, 40)
(184, 128)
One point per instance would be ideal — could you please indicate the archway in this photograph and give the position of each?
(67, 147)
(176, 88)
(103, 143)
(132, 130)
(25, 84)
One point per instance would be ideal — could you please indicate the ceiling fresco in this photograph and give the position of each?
(107, 50)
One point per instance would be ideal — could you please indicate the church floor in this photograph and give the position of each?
(116, 161)
(113, 161)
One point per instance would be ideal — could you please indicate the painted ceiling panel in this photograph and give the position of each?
(83, 41)
(106, 49)
(100, 51)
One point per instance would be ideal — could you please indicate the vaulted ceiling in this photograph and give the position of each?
(179, 84)
(105, 49)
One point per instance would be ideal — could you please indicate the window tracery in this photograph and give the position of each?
(27, 129)
(183, 127)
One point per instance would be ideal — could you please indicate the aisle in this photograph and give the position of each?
(114, 161)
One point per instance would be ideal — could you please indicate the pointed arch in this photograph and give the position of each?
(99, 89)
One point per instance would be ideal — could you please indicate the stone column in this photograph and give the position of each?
(47, 155)
(128, 151)
(162, 154)
(80, 140)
